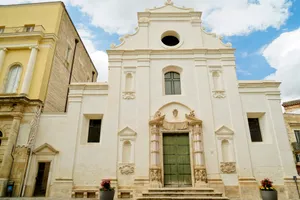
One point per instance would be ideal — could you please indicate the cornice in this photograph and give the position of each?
(258, 84)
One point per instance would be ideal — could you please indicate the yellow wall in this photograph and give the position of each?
(38, 14)
(49, 16)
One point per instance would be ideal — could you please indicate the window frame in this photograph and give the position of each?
(90, 129)
(28, 28)
(252, 136)
(2, 29)
(17, 81)
(172, 81)
(296, 131)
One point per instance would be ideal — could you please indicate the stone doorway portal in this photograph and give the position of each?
(176, 160)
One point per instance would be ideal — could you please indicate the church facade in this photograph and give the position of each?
(172, 115)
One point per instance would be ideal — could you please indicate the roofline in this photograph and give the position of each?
(291, 103)
(37, 3)
(63, 5)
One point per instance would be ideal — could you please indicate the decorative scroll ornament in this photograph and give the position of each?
(158, 119)
(219, 94)
(127, 169)
(228, 167)
(155, 175)
(193, 120)
(169, 2)
(129, 95)
(200, 175)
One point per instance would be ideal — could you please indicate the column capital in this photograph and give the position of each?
(3, 49)
(34, 47)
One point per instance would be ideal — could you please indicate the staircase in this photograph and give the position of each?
(182, 193)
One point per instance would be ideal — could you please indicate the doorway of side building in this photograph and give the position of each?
(176, 158)
(41, 179)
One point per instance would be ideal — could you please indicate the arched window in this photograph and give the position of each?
(172, 83)
(1, 135)
(128, 82)
(13, 79)
(126, 155)
(225, 151)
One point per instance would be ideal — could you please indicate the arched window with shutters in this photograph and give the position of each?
(1, 135)
(172, 83)
(13, 79)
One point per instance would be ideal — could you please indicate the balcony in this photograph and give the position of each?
(22, 31)
(296, 147)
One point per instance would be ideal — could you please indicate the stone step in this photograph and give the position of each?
(176, 194)
(181, 190)
(181, 198)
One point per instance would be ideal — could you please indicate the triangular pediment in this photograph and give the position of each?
(127, 132)
(224, 131)
(45, 149)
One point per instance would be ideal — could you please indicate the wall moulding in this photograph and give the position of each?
(126, 169)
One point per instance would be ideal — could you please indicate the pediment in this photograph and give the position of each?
(127, 132)
(45, 149)
(224, 131)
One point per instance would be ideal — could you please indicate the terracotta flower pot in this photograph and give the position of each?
(268, 195)
(107, 195)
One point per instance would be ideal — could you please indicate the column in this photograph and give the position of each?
(29, 70)
(155, 171)
(200, 170)
(2, 56)
(7, 158)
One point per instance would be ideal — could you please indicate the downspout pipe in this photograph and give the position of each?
(71, 73)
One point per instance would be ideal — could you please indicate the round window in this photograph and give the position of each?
(170, 38)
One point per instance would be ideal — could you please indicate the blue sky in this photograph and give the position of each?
(265, 33)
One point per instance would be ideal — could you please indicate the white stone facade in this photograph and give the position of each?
(212, 108)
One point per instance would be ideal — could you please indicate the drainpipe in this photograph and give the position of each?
(295, 179)
(71, 73)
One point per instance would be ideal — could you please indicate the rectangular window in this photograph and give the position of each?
(68, 53)
(2, 29)
(94, 131)
(297, 134)
(254, 129)
(29, 28)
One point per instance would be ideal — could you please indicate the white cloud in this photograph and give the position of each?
(225, 17)
(99, 58)
(283, 55)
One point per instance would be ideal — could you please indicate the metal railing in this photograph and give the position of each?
(22, 29)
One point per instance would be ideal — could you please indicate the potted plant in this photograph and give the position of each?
(106, 191)
(267, 190)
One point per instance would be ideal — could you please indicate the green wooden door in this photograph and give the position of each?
(177, 167)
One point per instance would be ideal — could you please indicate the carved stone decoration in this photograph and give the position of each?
(219, 94)
(175, 112)
(144, 20)
(126, 169)
(197, 130)
(155, 130)
(129, 95)
(228, 167)
(200, 175)
(169, 2)
(155, 175)
(175, 126)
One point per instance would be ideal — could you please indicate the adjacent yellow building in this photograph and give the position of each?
(292, 122)
(37, 45)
